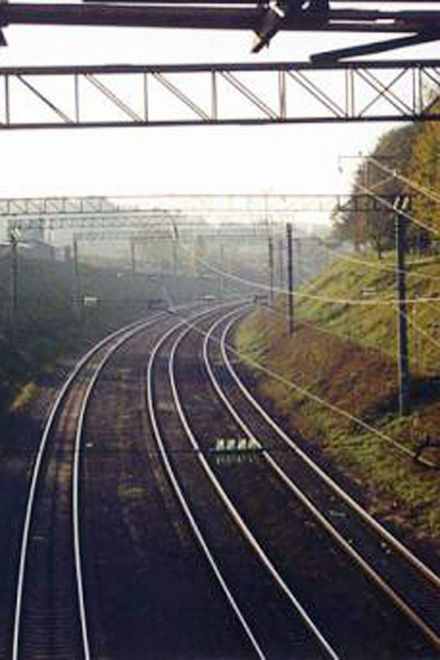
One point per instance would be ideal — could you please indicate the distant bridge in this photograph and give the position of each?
(217, 94)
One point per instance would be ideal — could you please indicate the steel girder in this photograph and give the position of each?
(217, 94)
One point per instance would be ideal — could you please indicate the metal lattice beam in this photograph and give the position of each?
(154, 211)
(213, 94)
(185, 234)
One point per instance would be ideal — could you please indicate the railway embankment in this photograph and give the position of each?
(54, 318)
(335, 381)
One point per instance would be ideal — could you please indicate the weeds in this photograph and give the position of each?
(346, 355)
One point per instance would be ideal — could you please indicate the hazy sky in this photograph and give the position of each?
(289, 159)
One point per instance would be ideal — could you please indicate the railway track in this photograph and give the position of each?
(271, 617)
(93, 582)
(409, 584)
(169, 516)
(50, 618)
(151, 586)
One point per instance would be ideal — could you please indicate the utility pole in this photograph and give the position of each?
(175, 262)
(13, 297)
(281, 261)
(298, 273)
(402, 341)
(289, 279)
(175, 240)
(133, 255)
(76, 307)
(222, 268)
(270, 263)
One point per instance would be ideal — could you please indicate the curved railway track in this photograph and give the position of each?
(411, 585)
(50, 613)
(245, 572)
(170, 516)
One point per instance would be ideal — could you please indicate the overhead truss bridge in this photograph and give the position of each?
(60, 97)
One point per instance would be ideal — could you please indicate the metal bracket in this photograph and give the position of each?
(278, 12)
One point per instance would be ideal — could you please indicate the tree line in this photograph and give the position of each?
(413, 152)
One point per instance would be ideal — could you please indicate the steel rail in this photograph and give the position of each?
(241, 524)
(181, 497)
(36, 472)
(76, 477)
(399, 547)
(425, 570)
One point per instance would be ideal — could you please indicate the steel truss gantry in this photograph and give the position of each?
(217, 94)
(185, 233)
(154, 211)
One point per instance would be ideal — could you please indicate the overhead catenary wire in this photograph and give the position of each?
(375, 265)
(424, 190)
(302, 294)
(366, 426)
(335, 335)
(305, 392)
(422, 331)
(402, 212)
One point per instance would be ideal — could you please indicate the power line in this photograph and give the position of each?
(301, 294)
(390, 206)
(375, 265)
(314, 397)
(424, 190)
(327, 404)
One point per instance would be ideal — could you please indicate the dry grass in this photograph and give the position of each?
(363, 382)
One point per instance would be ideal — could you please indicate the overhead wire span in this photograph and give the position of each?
(340, 411)
(317, 399)
(377, 266)
(421, 330)
(302, 294)
(424, 190)
(402, 212)
(320, 328)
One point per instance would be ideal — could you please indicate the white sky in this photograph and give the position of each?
(138, 161)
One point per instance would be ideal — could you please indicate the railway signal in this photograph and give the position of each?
(76, 284)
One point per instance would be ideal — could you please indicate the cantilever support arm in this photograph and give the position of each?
(376, 47)
(265, 18)
(212, 15)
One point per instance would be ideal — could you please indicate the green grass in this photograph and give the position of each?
(46, 325)
(346, 355)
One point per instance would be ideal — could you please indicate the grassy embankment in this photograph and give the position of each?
(346, 355)
(45, 325)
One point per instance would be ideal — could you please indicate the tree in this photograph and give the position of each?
(424, 173)
(370, 222)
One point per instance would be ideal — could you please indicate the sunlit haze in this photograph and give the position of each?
(204, 159)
